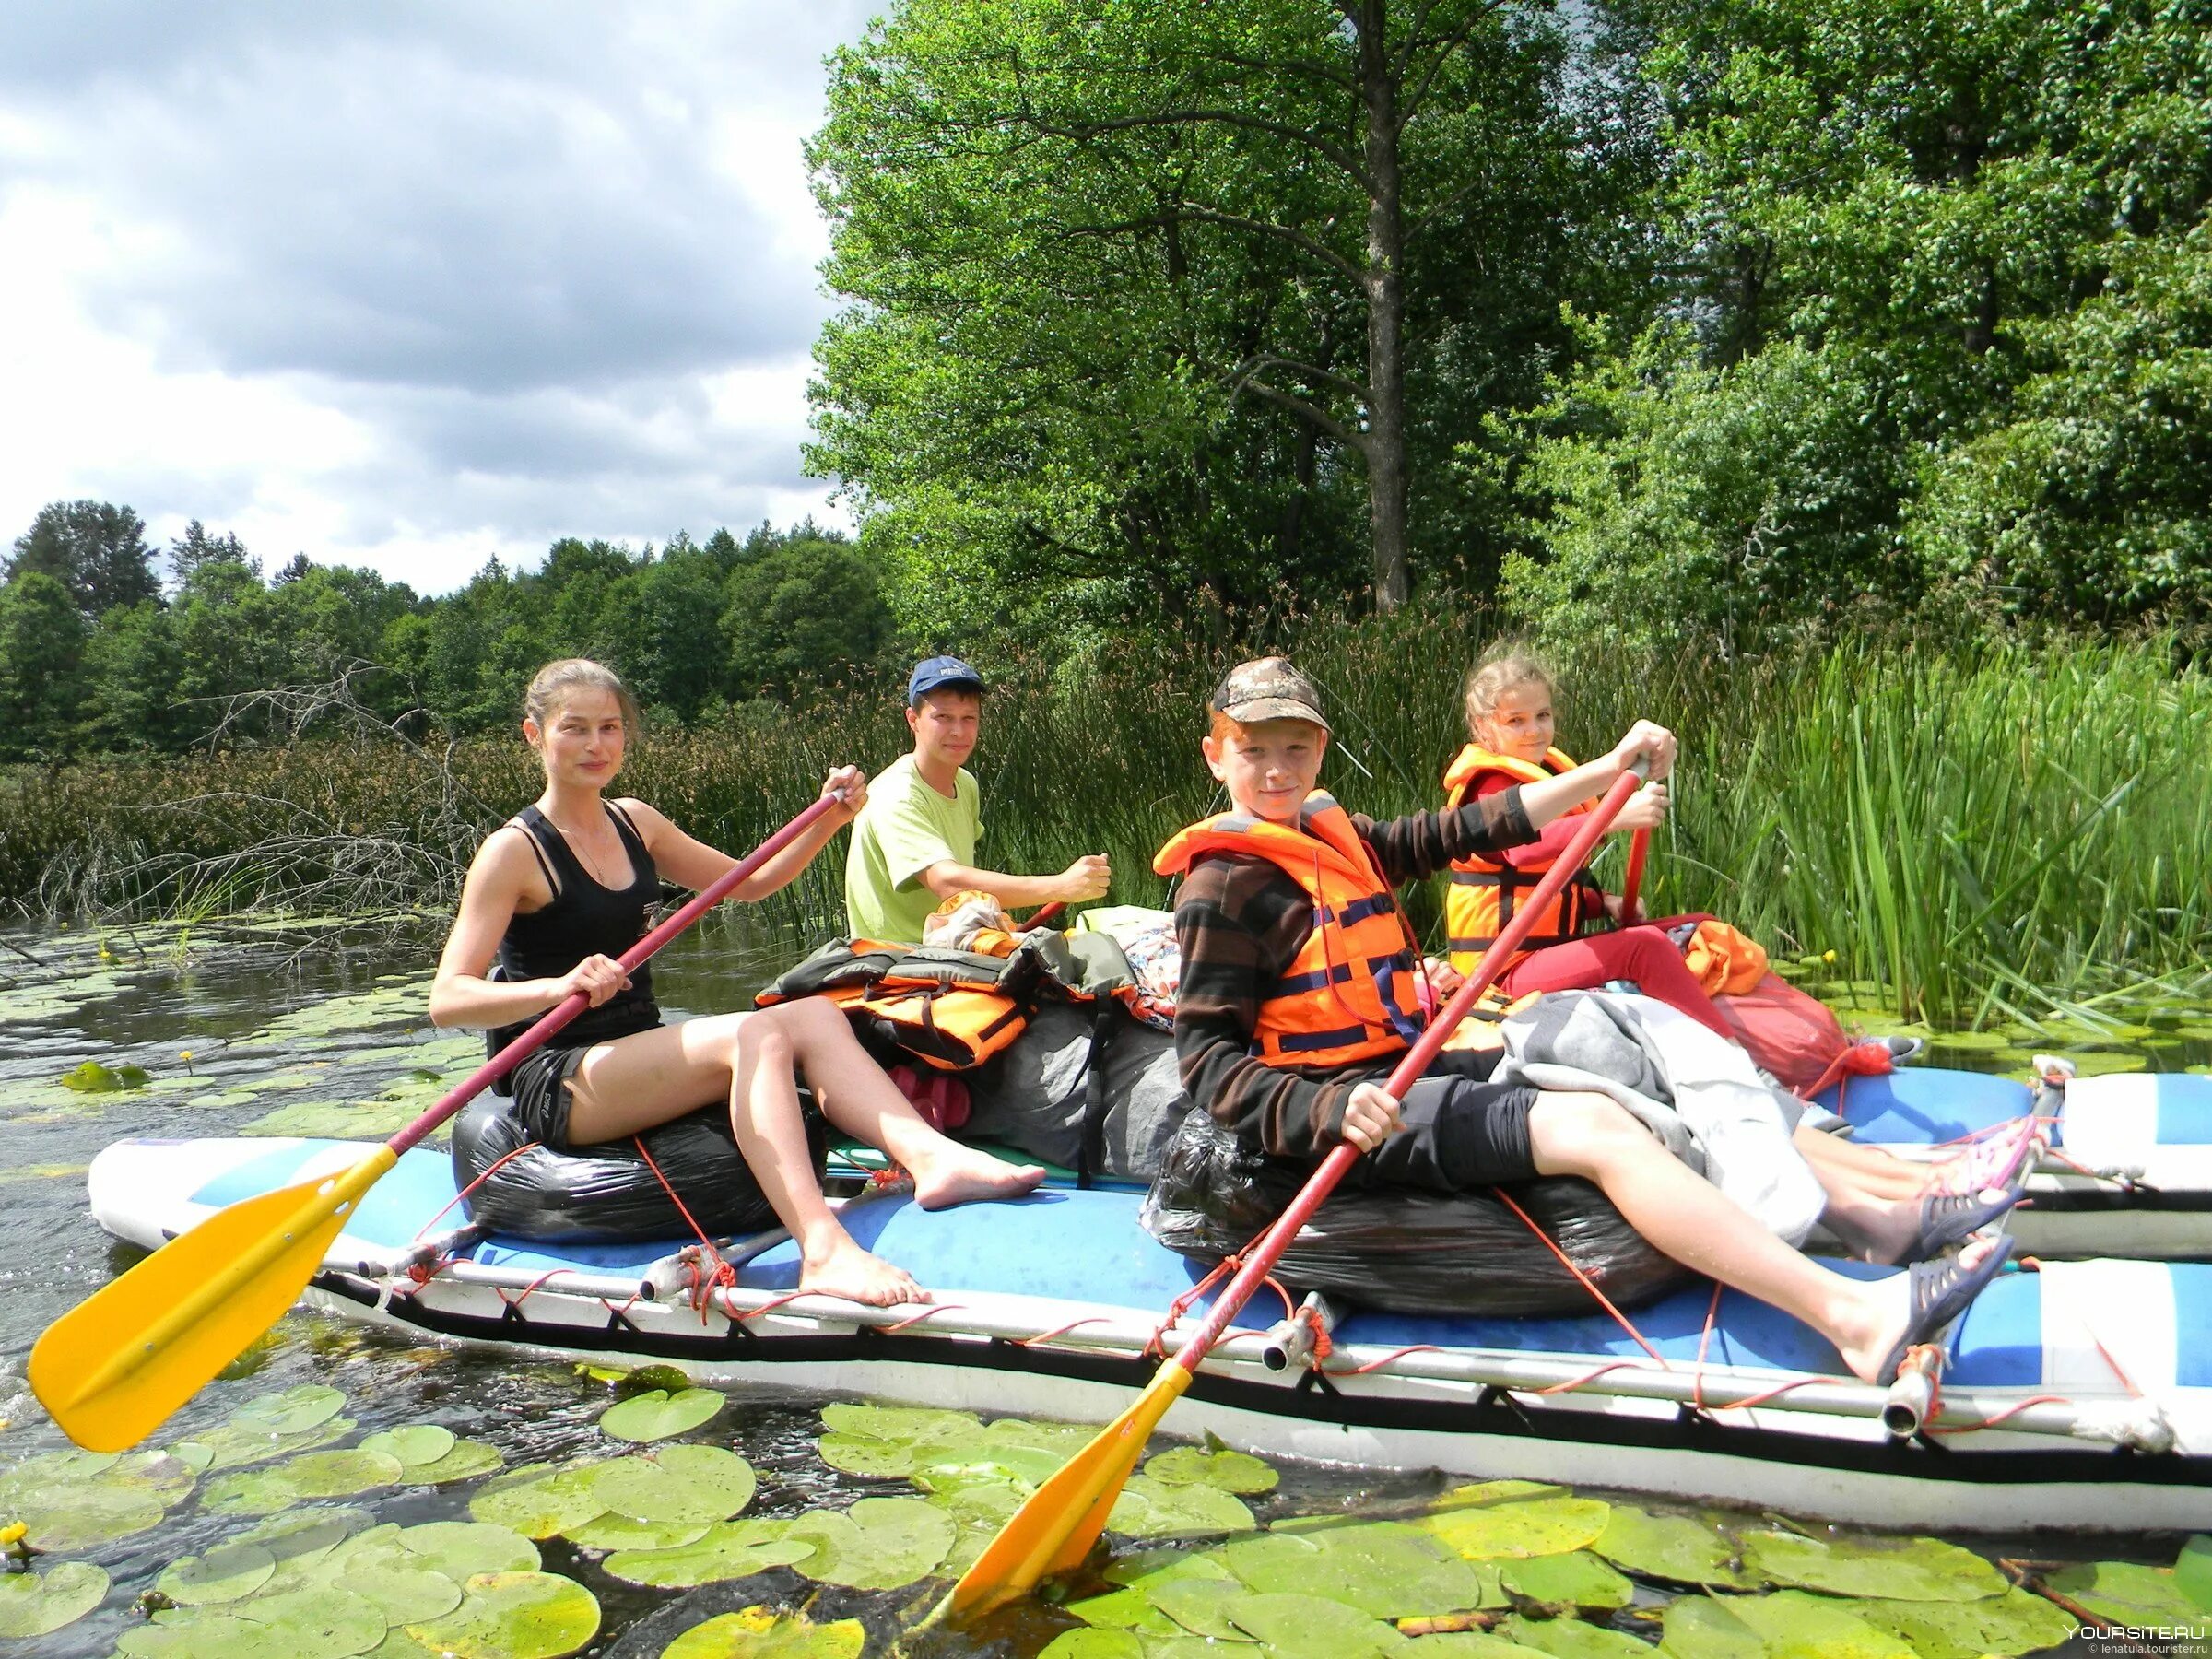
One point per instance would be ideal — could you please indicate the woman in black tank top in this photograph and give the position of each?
(563, 890)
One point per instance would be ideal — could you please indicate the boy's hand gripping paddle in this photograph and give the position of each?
(1055, 1530)
(122, 1360)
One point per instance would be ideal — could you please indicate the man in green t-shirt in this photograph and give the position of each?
(913, 844)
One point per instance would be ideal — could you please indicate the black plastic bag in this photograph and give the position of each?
(607, 1190)
(1399, 1249)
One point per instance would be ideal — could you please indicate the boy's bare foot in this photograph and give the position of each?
(959, 1174)
(1900, 1307)
(845, 1269)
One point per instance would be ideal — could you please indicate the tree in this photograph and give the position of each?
(41, 650)
(132, 669)
(1133, 282)
(97, 550)
(1947, 267)
(197, 547)
(802, 615)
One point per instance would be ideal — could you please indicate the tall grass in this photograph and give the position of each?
(2000, 832)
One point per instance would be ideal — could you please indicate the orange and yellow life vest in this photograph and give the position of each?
(949, 1009)
(1353, 991)
(1486, 894)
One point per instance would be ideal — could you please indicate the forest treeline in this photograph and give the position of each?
(1712, 326)
(105, 646)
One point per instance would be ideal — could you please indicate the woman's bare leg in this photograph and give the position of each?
(1878, 1173)
(631, 1085)
(855, 1093)
(1685, 1216)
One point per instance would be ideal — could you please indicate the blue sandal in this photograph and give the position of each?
(1951, 1219)
(1941, 1291)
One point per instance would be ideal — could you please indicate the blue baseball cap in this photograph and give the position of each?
(938, 673)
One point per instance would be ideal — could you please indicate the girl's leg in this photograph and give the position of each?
(1642, 954)
(1687, 1217)
(634, 1083)
(856, 1094)
(1878, 1174)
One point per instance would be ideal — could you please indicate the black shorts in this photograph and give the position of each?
(1462, 1133)
(540, 1086)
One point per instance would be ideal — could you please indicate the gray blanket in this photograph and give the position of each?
(1697, 1091)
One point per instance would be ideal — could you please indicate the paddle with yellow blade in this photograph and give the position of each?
(1055, 1530)
(117, 1364)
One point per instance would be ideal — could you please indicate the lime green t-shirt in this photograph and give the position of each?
(904, 829)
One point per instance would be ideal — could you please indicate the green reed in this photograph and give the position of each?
(1989, 834)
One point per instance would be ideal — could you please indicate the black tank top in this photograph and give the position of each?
(584, 919)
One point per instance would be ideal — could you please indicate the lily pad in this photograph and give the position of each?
(305, 1536)
(539, 1502)
(1306, 1627)
(1384, 1568)
(341, 1473)
(1503, 1518)
(657, 1415)
(468, 1460)
(2130, 1594)
(1164, 1564)
(38, 1603)
(92, 1077)
(85, 1514)
(1572, 1638)
(1202, 1606)
(228, 1446)
(514, 1616)
(2015, 1622)
(461, 1549)
(1792, 1621)
(1701, 1626)
(1147, 1508)
(1577, 1579)
(1228, 1471)
(228, 1573)
(291, 1412)
(714, 1480)
(1898, 1569)
(905, 1424)
(377, 1566)
(879, 1544)
(761, 1633)
(1124, 1610)
(1091, 1645)
(325, 1623)
(413, 1446)
(1681, 1549)
(612, 1532)
(730, 1549)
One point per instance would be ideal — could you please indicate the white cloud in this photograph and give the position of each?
(409, 286)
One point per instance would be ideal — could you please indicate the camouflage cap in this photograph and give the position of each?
(1268, 688)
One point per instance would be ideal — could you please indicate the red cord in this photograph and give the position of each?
(1604, 1301)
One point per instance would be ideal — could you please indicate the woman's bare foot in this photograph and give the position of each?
(1887, 1313)
(844, 1269)
(958, 1174)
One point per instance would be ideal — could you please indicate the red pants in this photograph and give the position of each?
(1642, 954)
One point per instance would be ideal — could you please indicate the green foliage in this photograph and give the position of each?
(95, 549)
(1947, 273)
(41, 655)
(1149, 302)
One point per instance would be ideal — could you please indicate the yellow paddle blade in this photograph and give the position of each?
(113, 1366)
(1055, 1530)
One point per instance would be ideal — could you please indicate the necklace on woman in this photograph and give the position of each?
(592, 865)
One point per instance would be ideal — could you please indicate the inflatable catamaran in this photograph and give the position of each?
(2080, 1392)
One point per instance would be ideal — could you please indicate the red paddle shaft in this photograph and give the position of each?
(1631, 884)
(1261, 1258)
(575, 1003)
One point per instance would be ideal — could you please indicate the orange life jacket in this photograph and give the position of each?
(1353, 991)
(951, 1009)
(1487, 894)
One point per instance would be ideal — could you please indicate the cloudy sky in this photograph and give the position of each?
(408, 285)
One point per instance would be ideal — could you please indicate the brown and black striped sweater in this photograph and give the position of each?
(1242, 921)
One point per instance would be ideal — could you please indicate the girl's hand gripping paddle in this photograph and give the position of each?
(122, 1359)
(1055, 1530)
